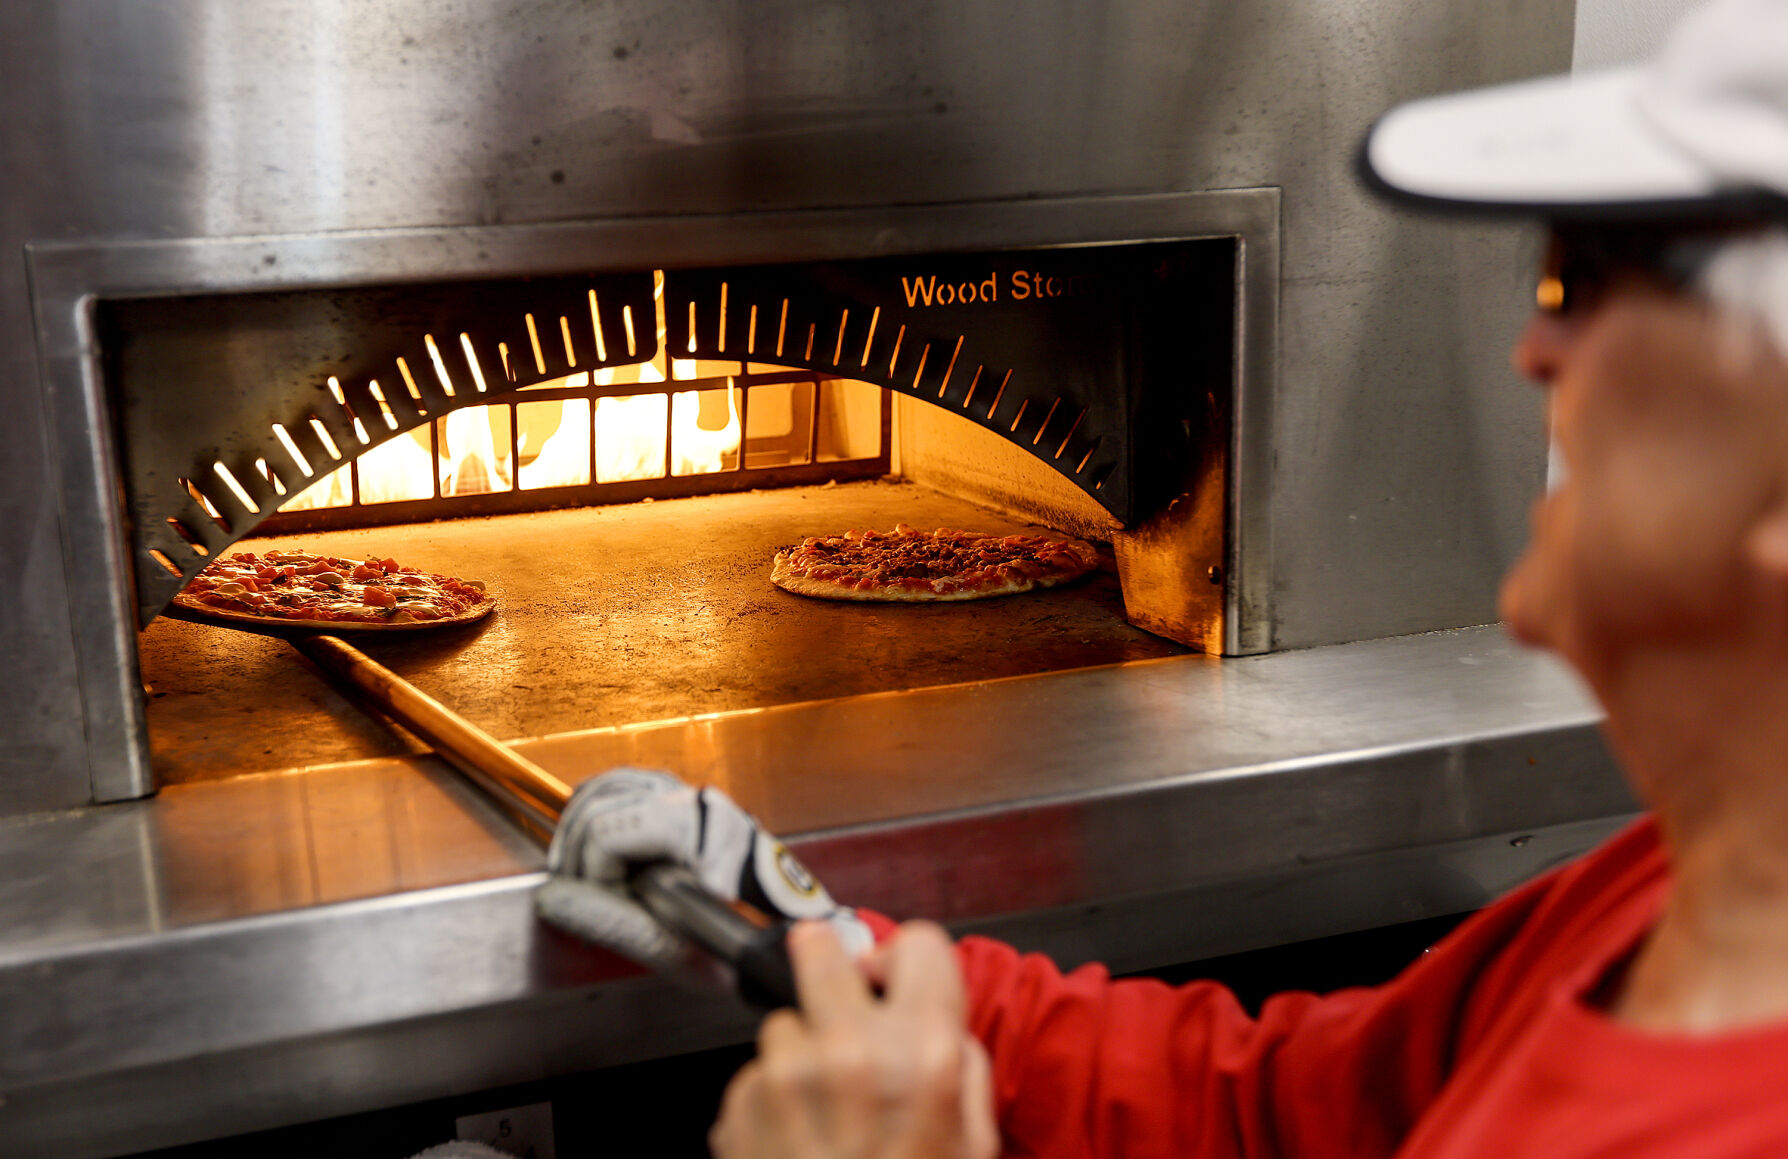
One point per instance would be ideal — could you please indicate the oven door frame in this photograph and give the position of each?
(67, 279)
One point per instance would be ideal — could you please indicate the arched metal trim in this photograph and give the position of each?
(227, 403)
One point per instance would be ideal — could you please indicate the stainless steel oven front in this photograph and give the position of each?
(1381, 464)
(1260, 726)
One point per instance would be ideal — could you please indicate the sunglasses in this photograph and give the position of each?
(1582, 261)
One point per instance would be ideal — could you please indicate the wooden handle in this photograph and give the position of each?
(532, 794)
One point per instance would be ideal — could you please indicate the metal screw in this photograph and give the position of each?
(1215, 574)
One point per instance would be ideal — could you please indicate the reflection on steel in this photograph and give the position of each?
(536, 800)
(532, 794)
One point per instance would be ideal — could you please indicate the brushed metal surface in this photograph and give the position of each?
(1401, 462)
(352, 936)
(1108, 732)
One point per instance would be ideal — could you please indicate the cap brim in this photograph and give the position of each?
(1559, 146)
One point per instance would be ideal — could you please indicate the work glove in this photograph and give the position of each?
(631, 817)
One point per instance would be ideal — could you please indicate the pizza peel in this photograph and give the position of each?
(752, 943)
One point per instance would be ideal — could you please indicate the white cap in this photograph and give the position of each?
(1702, 127)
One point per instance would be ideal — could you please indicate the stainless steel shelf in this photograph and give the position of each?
(238, 954)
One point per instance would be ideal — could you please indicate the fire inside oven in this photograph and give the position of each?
(673, 422)
(630, 449)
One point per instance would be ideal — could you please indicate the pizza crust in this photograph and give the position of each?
(788, 580)
(785, 574)
(186, 608)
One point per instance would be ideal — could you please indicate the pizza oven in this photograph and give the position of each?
(1181, 344)
(1088, 366)
(1218, 371)
(601, 305)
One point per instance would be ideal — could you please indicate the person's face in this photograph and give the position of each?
(1669, 424)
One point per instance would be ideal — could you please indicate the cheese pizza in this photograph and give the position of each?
(910, 566)
(299, 589)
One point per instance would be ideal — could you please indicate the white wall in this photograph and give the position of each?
(1611, 32)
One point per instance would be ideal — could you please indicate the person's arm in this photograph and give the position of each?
(1084, 1065)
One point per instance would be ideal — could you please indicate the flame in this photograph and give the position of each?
(389, 472)
(629, 433)
(695, 450)
(470, 464)
(332, 490)
(564, 458)
(630, 438)
(395, 470)
(630, 429)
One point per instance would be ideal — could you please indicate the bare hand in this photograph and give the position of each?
(853, 1076)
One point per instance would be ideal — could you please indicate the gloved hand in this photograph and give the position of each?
(629, 817)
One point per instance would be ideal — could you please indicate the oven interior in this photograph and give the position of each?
(618, 455)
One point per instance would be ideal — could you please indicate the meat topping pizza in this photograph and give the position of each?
(299, 588)
(908, 565)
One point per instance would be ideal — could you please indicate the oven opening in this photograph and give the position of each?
(619, 456)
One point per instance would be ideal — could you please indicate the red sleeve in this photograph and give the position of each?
(1084, 1065)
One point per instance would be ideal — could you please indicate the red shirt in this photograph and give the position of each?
(1486, 1048)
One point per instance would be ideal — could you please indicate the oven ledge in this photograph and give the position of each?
(241, 954)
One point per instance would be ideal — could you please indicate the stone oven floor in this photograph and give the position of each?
(619, 615)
